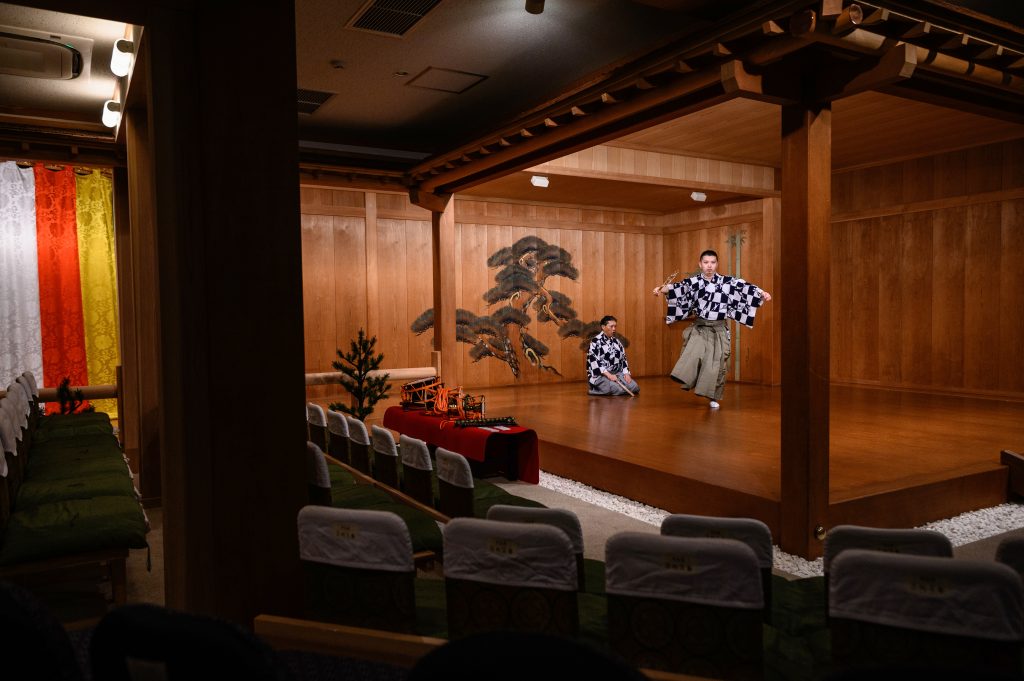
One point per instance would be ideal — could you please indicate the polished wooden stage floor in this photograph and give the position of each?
(896, 458)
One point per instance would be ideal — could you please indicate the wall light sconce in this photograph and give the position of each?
(539, 181)
(121, 57)
(534, 6)
(111, 113)
(698, 196)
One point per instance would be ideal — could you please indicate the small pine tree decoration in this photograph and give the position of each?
(356, 364)
(71, 402)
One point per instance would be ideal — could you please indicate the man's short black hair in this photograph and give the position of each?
(607, 318)
(708, 252)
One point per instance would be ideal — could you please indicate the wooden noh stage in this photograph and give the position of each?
(897, 459)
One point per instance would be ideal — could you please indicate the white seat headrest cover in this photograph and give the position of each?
(370, 540)
(513, 554)
(717, 572)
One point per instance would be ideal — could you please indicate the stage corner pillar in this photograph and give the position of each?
(225, 162)
(804, 301)
(443, 242)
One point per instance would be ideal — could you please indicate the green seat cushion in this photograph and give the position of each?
(339, 476)
(486, 490)
(431, 611)
(72, 527)
(75, 466)
(358, 496)
(36, 492)
(73, 420)
(65, 432)
(81, 445)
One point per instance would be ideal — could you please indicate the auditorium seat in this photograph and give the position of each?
(509, 576)
(461, 496)
(1011, 552)
(685, 605)
(359, 451)
(418, 480)
(359, 568)
(568, 522)
(337, 436)
(346, 492)
(385, 457)
(318, 479)
(751, 532)
(925, 615)
(316, 421)
(142, 641)
(903, 541)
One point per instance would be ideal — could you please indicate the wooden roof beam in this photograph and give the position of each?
(645, 100)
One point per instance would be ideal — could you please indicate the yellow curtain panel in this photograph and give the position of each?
(96, 253)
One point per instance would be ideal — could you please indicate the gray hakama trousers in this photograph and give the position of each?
(704, 361)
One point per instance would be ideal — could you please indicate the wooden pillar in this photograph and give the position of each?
(139, 266)
(443, 237)
(804, 302)
(224, 134)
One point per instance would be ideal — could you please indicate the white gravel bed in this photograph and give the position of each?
(963, 529)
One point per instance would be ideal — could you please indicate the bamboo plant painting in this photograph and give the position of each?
(520, 298)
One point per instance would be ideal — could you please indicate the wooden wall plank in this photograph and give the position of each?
(1011, 330)
(982, 306)
(947, 336)
(915, 265)
(890, 308)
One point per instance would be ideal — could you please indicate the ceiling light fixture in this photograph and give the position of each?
(121, 58)
(534, 6)
(698, 196)
(111, 113)
(539, 181)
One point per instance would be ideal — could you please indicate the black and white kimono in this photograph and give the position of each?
(605, 354)
(721, 297)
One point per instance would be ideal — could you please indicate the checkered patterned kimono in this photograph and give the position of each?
(721, 297)
(605, 354)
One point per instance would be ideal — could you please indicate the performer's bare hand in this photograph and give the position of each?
(767, 296)
(657, 290)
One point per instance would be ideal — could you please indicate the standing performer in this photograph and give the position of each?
(714, 299)
(606, 363)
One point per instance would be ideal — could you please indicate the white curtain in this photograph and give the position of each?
(21, 344)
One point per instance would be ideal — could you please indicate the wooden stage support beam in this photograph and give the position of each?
(443, 237)
(804, 244)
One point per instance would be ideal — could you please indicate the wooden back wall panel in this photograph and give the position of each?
(926, 263)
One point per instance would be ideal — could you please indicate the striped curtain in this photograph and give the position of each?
(58, 289)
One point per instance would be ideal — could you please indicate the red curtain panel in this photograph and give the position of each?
(60, 287)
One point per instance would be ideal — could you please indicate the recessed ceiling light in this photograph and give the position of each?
(400, 74)
(539, 181)
(698, 196)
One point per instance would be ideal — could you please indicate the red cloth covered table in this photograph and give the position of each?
(472, 442)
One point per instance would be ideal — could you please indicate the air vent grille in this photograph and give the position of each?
(311, 100)
(392, 17)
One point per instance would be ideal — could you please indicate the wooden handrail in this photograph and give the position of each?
(89, 392)
(406, 374)
(396, 494)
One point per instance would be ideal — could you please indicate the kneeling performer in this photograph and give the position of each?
(606, 363)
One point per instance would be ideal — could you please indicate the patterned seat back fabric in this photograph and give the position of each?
(359, 450)
(686, 605)
(359, 567)
(454, 484)
(318, 478)
(385, 457)
(417, 470)
(903, 541)
(908, 610)
(563, 519)
(751, 532)
(337, 430)
(316, 422)
(1011, 552)
(509, 576)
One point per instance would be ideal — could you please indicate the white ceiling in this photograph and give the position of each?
(74, 103)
